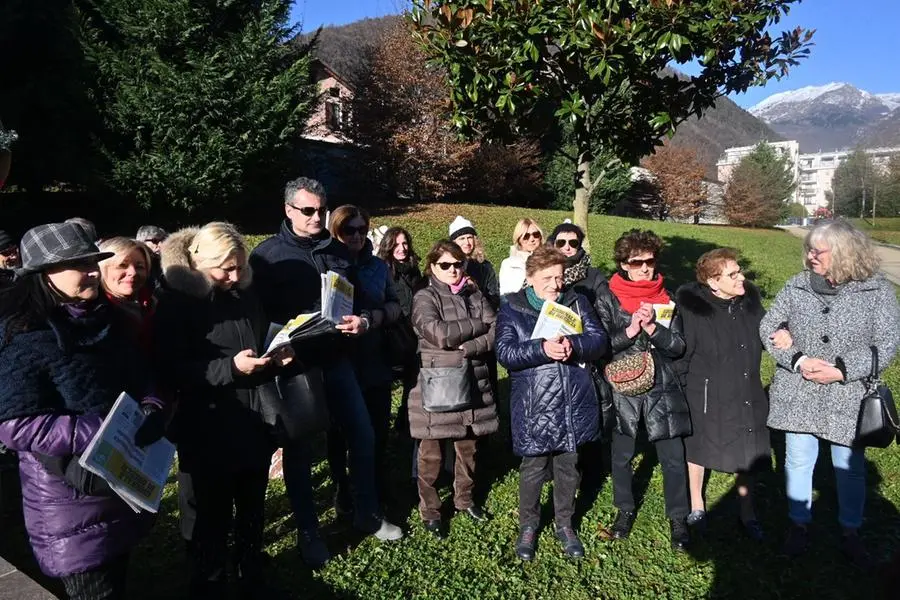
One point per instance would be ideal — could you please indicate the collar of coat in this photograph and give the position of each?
(519, 301)
(179, 273)
(697, 299)
(801, 282)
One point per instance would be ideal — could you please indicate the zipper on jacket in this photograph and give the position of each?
(705, 394)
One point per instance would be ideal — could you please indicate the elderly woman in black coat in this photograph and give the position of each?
(630, 318)
(720, 315)
(553, 402)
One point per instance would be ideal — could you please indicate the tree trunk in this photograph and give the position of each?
(583, 183)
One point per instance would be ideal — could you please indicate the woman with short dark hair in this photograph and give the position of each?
(553, 402)
(630, 318)
(720, 316)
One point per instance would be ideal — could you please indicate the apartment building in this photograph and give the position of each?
(812, 172)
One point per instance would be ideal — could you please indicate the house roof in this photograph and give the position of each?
(319, 63)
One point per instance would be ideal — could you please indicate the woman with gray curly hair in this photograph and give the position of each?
(836, 309)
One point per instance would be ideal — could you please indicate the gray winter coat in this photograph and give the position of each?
(839, 329)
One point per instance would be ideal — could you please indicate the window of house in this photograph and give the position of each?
(334, 114)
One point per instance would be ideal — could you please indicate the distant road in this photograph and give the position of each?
(890, 256)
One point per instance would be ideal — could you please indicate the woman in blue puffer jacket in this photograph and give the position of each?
(63, 362)
(553, 402)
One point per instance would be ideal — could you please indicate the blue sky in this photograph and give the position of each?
(857, 41)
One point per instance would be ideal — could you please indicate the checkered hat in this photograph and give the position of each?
(57, 243)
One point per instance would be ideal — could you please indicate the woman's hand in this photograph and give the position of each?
(648, 318)
(246, 362)
(283, 356)
(555, 349)
(353, 325)
(782, 339)
(637, 319)
(820, 371)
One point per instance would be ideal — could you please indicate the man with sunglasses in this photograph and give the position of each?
(287, 269)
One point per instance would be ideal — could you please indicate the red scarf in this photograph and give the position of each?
(631, 293)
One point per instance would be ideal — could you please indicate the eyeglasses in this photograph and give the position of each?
(446, 265)
(349, 230)
(152, 241)
(531, 234)
(733, 275)
(637, 263)
(817, 253)
(574, 244)
(308, 211)
(11, 251)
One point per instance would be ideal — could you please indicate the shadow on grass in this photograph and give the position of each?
(744, 569)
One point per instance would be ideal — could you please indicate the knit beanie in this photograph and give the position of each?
(461, 226)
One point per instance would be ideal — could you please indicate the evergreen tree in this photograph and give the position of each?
(760, 188)
(201, 102)
(857, 182)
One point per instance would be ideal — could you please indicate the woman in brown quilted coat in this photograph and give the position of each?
(455, 323)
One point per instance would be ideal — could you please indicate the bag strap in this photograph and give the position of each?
(873, 375)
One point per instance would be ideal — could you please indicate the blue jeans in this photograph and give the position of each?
(802, 450)
(349, 412)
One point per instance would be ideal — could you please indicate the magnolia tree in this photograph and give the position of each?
(605, 66)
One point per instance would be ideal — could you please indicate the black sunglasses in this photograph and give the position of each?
(308, 211)
(349, 230)
(446, 265)
(639, 262)
(575, 244)
(528, 235)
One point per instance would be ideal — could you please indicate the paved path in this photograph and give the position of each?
(16, 585)
(890, 256)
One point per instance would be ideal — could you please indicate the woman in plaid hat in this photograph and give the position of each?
(63, 362)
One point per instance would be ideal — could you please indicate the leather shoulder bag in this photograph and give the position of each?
(878, 425)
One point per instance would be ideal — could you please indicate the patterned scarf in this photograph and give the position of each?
(576, 267)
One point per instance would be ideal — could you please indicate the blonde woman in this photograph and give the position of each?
(209, 340)
(124, 279)
(527, 237)
(836, 309)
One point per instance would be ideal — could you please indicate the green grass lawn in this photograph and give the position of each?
(478, 562)
(883, 229)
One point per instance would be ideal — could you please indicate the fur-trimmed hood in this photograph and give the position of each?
(696, 298)
(178, 271)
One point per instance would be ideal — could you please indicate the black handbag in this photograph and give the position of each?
(295, 404)
(878, 425)
(446, 389)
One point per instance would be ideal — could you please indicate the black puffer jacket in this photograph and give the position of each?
(446, 322)
(198, 331)
(663, 408)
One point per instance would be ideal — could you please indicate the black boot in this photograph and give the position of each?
(680, 535)
(621, 529)
(525, 543)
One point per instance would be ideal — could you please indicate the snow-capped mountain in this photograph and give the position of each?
(826, 117)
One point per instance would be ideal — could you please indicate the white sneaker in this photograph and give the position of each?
(388, 532)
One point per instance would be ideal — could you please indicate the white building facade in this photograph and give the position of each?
(812, 172)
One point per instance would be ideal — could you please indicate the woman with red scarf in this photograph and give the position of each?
(630, 318)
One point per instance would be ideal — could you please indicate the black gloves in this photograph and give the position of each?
(153, 428)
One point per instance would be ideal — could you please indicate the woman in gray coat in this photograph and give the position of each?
(835, 310)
